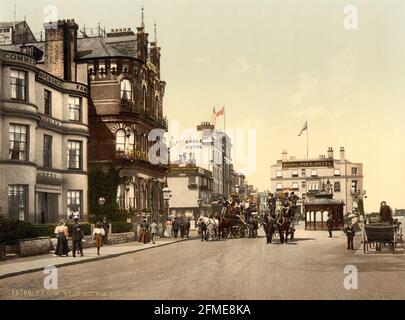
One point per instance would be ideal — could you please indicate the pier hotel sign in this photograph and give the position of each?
(307, 164)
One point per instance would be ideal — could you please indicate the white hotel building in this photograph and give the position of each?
(305, 177)
(43, 133)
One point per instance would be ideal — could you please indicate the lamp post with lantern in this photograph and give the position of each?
(166, 197)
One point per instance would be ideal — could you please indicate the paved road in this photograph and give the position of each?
(309, 268)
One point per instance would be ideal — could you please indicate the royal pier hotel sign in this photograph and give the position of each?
(307, 164)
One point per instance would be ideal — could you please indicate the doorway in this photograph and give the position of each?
(47, 207)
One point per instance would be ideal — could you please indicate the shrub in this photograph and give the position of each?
(45, 230)
(121, 227)
(11, 231)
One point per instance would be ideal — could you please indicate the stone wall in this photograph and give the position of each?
(45, 245)
(116, 238)
(35, 246)
(113, 238)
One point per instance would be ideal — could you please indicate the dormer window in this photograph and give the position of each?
(126, 89)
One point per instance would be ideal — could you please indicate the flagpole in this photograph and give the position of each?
(307, 143)
(224, 119)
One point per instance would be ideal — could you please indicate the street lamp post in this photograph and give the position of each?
(199, 202)
(166, 197)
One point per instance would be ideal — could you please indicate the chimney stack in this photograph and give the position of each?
(330, 153)
(284, 155)
(342, 153)
(142, 44)
(61, 48)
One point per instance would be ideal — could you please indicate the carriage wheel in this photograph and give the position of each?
(242, 232)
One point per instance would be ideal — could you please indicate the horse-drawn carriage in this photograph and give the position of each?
(380, 234)
(282, 217)
(232, 216)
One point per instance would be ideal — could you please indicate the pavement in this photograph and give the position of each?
(312, 266)
(18, 266)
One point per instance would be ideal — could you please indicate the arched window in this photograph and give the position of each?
(126, 89)
(131, 141)
(120, 140)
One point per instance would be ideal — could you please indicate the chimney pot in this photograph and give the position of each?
(342, 153)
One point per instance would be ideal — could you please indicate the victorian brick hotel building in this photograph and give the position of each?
(67, 103)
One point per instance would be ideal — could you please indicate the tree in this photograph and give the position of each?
(104, 185)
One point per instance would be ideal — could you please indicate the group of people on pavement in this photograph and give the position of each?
(149, 232)
(173, 227)
(100, 235)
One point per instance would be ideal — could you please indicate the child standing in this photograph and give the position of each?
(98, 234)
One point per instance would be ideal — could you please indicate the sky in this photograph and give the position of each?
(275, 64)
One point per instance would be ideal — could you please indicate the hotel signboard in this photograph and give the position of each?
(307, 164)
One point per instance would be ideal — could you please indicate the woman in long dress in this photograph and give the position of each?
(62, 248)
(98, 234)
(144, 237)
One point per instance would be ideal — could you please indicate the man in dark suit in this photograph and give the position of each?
(106, 226)
(188, 228)
(385, 213)
(329, 224)
(182, 228)
(175, 226)
(77, 237)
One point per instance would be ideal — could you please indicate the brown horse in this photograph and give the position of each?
(283, 226)
(224, 226)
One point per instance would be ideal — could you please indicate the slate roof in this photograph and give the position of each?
(9, 24)
(94, 47)
(124, 46)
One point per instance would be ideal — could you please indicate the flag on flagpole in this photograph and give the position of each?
(221, 112)
(213, 117)
(305, 127)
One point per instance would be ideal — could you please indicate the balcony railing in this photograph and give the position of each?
(132, 155)
(128, 106)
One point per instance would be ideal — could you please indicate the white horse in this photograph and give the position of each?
(212, 227)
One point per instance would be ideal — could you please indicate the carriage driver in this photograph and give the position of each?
(293, 200)
(385, 213)
(271, 204)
